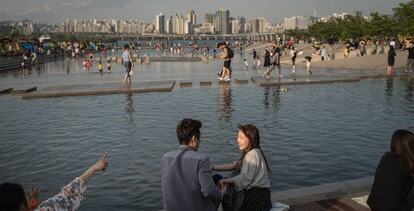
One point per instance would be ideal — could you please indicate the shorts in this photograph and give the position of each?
(128, 66)
(227, 64)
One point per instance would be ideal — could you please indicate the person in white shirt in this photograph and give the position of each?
(254, 171)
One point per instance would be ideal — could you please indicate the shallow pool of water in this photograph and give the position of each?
(311, 135)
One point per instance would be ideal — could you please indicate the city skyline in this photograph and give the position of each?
(57, 11)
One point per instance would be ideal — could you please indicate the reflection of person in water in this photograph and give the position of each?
(225, 102)
(129, 108)
(389, 86)
(128, 103)
(408, 83)
(275, 97)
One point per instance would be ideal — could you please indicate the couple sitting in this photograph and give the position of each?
(187, 180)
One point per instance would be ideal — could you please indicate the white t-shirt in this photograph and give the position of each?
(392, 43)
(292, 53)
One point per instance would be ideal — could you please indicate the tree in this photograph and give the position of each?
(404, 16)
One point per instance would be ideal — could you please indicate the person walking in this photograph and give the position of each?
(266, 64)
(127, 61)
(410, 61)
(275, 61)
(391, 60)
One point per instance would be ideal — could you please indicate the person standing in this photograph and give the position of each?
(362, 48)
(254, 56)
(308, 60)
(323, 53)
(266, 64)
(108, 65)
(293, 55)
(226, 55)
(391, 60)
(186, 177)
(127, 61)
(410, 61)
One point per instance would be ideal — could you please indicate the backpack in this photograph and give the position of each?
(230, 52)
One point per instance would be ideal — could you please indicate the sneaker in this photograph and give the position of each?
(227, 79)
(219, 78)
(406, 71)
(280, 76)
(268, 76)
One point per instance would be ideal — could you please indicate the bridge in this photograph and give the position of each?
(265, 37)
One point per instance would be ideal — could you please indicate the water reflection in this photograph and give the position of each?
(274, 94)
(129, 108)
(389, 86)
(225, 103)
(409, 88)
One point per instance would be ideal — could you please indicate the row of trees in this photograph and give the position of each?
(356, 26)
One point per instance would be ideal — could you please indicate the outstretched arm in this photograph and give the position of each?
(72, 194)
(97, 167)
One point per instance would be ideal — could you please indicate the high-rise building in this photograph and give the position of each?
(169, 25)
(257, 25)
(298, 22)
(235, 26)
(160, 23)
(178, 24)
(209, 18)
(188, 27)
(222, 22)
(192, 17)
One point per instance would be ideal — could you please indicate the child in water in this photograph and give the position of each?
(308, 64)
(108, 66)
(100, 67)
(246, 64)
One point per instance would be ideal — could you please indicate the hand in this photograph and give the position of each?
(32, 198)
(102, 163)
(221, 184)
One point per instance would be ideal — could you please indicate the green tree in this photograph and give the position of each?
(404, 16)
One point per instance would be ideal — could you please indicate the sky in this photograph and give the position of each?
(57, 11)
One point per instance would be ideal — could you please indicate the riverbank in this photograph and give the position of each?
(370, 62)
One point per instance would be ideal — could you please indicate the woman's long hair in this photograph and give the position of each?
(12, 197)
(402, 143)
(252, 133)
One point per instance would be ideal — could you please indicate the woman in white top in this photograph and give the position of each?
(254, 171)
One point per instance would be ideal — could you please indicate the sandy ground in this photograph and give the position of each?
(353, 62)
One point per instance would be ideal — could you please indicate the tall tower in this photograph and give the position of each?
(192, 17)
(160, 23)
(222, 22)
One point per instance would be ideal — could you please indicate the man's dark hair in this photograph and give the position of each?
(126, 46)
(187, 129)
(220, 44)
